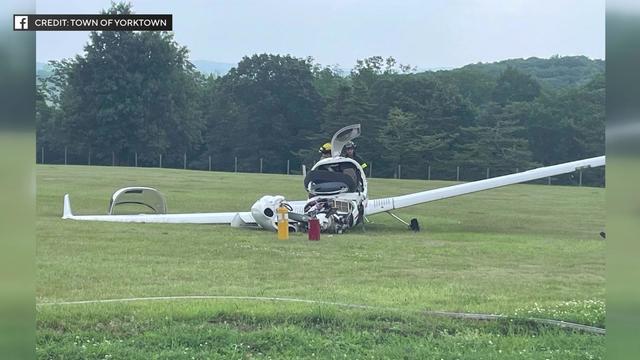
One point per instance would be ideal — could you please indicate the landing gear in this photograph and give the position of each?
(413, 225)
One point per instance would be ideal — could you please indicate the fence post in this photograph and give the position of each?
(399, 171)
(371, 170)
(428, 172)
(113, 158)
(89, 162)
(184, 163)
(517, 170)
(135, 159)
(160, 162)
(42, 155)
(549, 180)
(457, 173)
(260, 165)
(235, 164)
(287, 167)
(65, 155)
(209, 162)
(487, 173)
(580, 181)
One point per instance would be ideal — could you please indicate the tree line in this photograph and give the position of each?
(138, 93)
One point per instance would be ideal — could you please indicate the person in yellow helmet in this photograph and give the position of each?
(325, 151)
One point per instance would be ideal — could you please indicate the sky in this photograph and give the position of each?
(423, 33)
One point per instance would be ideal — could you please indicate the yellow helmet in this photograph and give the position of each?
(325, 148)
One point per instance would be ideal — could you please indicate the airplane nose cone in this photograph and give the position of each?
(263, 211)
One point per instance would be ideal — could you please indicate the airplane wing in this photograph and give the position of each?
(192, 218)
(235, 219)
(376, 206)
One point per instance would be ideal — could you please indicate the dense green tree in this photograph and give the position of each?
(440, 112)
(47, 117)
(477, 86)
(336, 112)
(567, 125)
(367, 71)
(352, 105)
(327, 80)
(513, 85)
(266, 107)
(497, 140)
(129, 92)
(409, 141)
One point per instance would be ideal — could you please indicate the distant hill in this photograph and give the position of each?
(43, 70)
(221, 68)
(555, 72)
(213, 67)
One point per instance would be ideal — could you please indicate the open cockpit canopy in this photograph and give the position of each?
(342, 137)
(145, 196)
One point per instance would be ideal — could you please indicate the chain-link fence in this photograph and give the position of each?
(207, 162)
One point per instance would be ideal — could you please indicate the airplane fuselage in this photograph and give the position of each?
(344, 208)
(337, 189)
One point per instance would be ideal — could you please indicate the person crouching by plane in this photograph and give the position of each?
(325, 151)
(350, 152)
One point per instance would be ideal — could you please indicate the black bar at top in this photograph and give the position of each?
(102, 22)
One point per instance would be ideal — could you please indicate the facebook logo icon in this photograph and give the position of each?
(20, 22)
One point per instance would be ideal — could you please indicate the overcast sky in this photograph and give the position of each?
(423, 33)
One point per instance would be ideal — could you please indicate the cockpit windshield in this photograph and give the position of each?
(342, 176)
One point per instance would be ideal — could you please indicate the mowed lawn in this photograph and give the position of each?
(523, 251)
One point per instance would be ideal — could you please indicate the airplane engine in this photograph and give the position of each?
(335, 216)
(264, 211)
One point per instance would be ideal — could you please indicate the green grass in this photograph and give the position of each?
(524, 250)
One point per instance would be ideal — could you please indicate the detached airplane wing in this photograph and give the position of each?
(376, 206)
(192, 218)
(235, 219)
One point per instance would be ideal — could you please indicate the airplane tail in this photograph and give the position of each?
(66, 210)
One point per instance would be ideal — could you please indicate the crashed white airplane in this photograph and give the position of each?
(337, 188)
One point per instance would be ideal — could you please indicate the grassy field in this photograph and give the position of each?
(523, 251)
